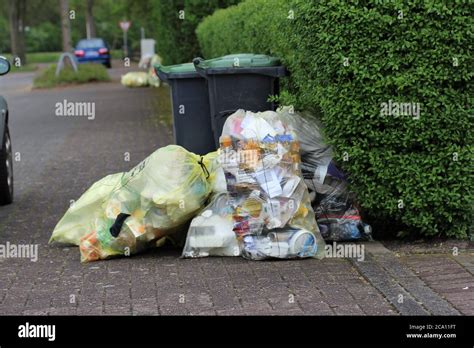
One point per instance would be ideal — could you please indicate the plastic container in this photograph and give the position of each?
(239, 81)
(192, 126)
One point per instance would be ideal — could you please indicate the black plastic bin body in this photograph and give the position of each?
(192, 126)
(233, 88)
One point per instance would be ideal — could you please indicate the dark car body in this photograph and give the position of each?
(3, 118)
(6, 159)
(93, 51)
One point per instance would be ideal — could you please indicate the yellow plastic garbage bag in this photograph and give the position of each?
(135, 79)
(153, 200)
(80, 217)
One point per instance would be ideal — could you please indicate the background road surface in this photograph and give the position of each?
(58, 158)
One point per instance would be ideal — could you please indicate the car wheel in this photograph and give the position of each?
(6, 170)
(108, 64)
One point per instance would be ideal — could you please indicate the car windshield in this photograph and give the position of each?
(92, 43)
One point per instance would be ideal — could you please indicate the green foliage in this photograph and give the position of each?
(43, 37)
(86, 73)
(4, 33)
(43, 57)
(38, 57)
(175, 36)
(251, 26)
(348, 59)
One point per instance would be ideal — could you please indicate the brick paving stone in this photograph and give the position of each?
(467, 261)
(145, 306)
(397, 296)
(424, 295)
(452, 282)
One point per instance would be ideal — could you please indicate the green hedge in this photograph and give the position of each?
(346, 61)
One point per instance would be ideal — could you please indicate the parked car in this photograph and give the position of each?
(6, 162)
(93, 51)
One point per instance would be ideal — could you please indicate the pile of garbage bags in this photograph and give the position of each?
(135, 79)
(271, 190)
(141, 78)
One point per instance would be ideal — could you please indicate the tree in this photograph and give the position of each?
(65, 25)
(90, 24)
(16, 14)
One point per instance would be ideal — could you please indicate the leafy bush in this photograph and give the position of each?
(350, 62)
(86, 73)
(250, 26)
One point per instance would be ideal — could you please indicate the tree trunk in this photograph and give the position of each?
(16, 14)
(90, 24)
(65, 25)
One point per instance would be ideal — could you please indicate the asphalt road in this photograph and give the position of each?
(58, 158)
(38, 135)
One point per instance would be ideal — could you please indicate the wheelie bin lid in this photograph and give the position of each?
(243, 60)
(178, 71)
(241, 63)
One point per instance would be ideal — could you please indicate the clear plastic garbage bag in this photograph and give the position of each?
(315, 153)
(272, 212)
(335, 206)
(211, 232)
(336, 212)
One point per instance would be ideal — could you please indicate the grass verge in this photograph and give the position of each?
(38, 57)
(86, 73)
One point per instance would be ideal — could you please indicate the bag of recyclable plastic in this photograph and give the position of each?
(80, 217)
(153, 79)
(211, 232)
(135, 79)
(336, 211)
(335, 207)
(155, 199)
(315, 153)
(272, 212)
(150, 202)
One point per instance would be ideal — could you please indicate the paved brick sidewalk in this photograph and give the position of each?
(450, 276)
(159, 282)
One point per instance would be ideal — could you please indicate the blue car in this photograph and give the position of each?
(93, 51)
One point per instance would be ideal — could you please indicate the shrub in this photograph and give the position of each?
(346, 61)
(86, 73)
